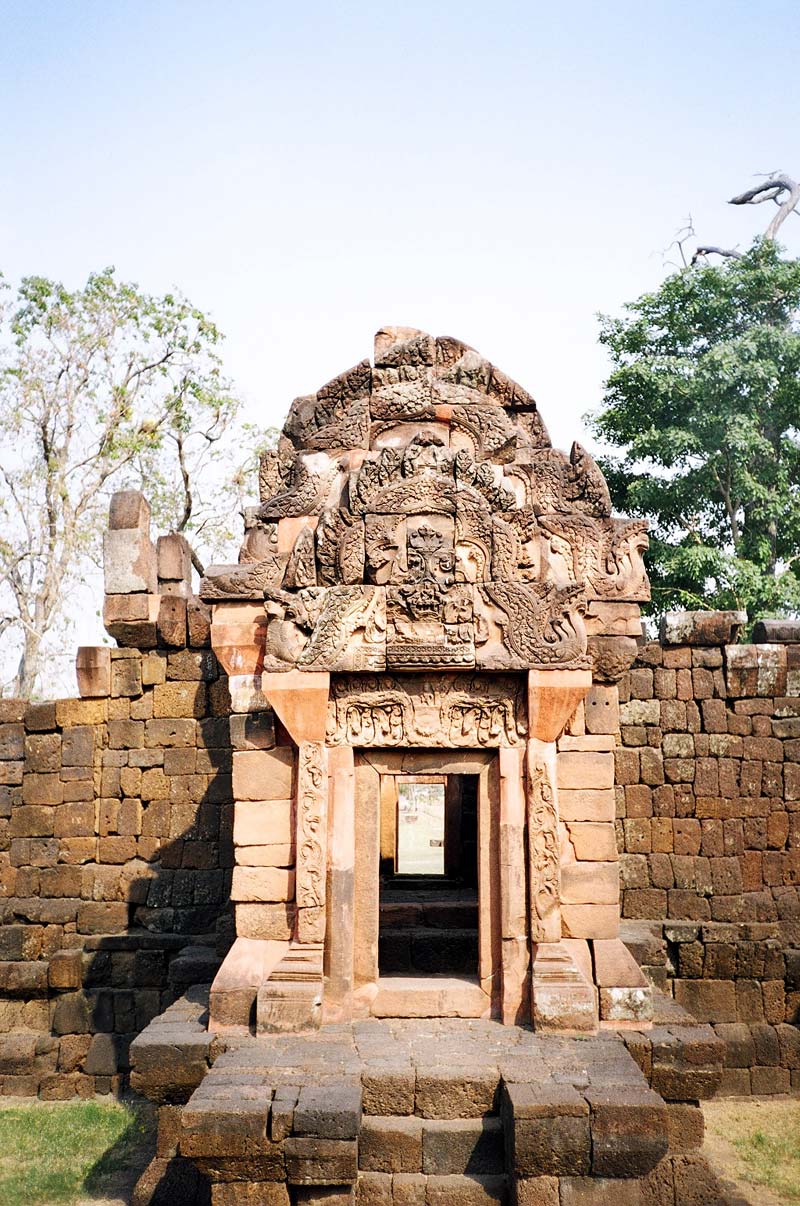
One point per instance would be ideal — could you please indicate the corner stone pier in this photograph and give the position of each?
(426, 998)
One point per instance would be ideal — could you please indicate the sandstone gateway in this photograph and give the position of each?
(388, 734)
(427, 590)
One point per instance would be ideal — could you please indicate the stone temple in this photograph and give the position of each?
(425, 596)
(422, 635)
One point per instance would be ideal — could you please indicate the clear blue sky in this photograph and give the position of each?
(308, 173)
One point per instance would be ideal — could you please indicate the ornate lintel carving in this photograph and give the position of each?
(465, 711)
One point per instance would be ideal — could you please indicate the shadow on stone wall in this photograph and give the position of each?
(115, 865)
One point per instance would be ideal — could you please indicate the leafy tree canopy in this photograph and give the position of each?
(101, 388)
(702, 418)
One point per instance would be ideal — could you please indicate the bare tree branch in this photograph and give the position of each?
(705, 250)
(772, 190)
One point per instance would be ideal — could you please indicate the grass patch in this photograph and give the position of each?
(54, 1153)
(757, 1141)
(772, 1158)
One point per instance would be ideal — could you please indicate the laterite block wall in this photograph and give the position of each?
(708, 825)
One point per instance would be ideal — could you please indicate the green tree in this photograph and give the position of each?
(701, 414)
(101, 388)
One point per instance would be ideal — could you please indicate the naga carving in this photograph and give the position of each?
(311, 480)
(349, 633)
(605, 555)
(542, 624)
(248, 580)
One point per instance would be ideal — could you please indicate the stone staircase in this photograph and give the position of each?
(406, 1158)
(428, 931)
(433, 1112)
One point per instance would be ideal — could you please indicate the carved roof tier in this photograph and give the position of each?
(415, 515)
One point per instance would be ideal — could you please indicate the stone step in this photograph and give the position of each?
(385, 1189)
(430, 997)
(432, 914)
(467, 1191)
(401, 950)
(436, 1147)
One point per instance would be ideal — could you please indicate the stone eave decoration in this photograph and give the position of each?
(415, 517)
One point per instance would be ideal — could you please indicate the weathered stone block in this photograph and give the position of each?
(388, 1089)
(107, 917)
(172, 621)
(179, 699)
(263, 774)
(129, 509)
(547, 1130)
(263, 823)
(93, 671)
(249, 1193)
(587, 804)
(629, 1130)
(755, 670)
(174, 556)
(442, 1093)
(540, 1191)
(262, 884)
(77, 746)
(593, 841)
(66, 969)
(590, 920)
(590, 883)
(311, 1161)
(463, 1146)
(390, 1144)
(601, 709)
(198, 623)
(129, 562)
(252, 731)
(578, 771)
(701, 627)
(265, 921)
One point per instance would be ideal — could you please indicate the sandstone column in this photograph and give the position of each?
(337, 1000)
(513, 896)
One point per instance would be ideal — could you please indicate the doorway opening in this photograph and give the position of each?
(429, 875)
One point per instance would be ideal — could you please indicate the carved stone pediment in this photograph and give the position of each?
(336, 416)
(430, 479)
(469, 711)
(301, 569)
(260, 538)
(329, 424)
(405, 392)
(291, 617)
(340, 548)
(274, 469)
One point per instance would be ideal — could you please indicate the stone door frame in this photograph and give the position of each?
(374, 765)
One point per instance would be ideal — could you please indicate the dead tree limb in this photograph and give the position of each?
(728, 252)
(781, 189)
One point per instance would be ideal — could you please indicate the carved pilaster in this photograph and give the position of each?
(312, 824)
(544, 877)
